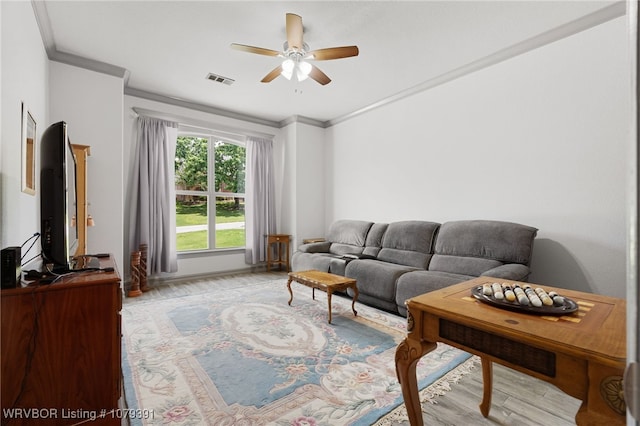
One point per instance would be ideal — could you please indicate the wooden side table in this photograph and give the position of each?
(582, 353)
(282, 242)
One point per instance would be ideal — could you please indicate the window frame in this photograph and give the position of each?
(211, 194)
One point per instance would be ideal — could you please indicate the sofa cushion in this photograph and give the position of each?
(302, 261)
(408, 243)
(506, 242)
(376, 278)
(324, 262)
(510, 271)
(351, 232)
(339, 249)
(473, 266)
(337, 265)
(416, 283)
(413, 259)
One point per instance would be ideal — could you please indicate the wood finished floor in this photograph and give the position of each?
(517, 398)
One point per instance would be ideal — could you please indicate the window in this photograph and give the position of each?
(210, 175)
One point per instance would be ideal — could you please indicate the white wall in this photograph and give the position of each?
(310, 190)
(539, 139)
(25, 69)
(287, 208)
(193, 264)
(91, 104)
(304, 192)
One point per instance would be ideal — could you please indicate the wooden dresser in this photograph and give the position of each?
(61, 350)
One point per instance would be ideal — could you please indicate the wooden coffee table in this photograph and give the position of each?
(583, 353)
(325, 282)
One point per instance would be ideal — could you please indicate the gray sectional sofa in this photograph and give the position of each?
(396, 261)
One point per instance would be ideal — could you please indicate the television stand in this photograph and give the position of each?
(85, 261)
(61, 347)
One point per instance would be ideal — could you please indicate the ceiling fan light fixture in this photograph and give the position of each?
(295, 52)
(301, 69)
(287, 68)
(301, 76)
(304, 67)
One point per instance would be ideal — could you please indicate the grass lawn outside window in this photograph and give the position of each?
(192, 218)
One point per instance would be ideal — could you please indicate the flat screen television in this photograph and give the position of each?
(58, 206)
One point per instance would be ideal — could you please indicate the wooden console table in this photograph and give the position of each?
(583, 354)
(281, 241)
(61, 349)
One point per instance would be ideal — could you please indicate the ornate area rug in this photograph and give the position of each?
(239, 355)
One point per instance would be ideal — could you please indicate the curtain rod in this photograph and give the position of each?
(201, 124)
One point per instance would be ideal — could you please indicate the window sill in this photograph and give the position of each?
(209, 253)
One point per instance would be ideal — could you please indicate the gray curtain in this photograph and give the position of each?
(260, 216)
(153, 200)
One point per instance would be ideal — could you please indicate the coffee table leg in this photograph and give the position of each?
(353, 302)
(329, 292)
(290, 292)
(487, 385)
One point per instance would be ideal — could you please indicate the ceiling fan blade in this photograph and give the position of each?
(334, 53)
(253, 49)
(318, 75)
(272, 75)
(294, 31)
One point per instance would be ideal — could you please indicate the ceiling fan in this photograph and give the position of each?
(296, 53)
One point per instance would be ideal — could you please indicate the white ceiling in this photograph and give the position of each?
(169, 47)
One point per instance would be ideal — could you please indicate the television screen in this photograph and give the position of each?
(57, 198)
(72, 201)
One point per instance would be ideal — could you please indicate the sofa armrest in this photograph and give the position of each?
(319, 247)
(510, 271)
(313, 240)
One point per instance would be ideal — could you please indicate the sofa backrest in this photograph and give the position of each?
(409, 243)
(348, 236)
(472, 247)
(373, 244)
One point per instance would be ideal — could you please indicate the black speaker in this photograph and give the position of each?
(11, 269)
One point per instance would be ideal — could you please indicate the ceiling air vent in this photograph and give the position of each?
(220, 79)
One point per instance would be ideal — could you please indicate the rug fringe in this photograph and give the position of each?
(429, 394)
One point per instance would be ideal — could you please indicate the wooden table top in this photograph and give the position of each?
(596, 331)
(319, 277)
(77, 278)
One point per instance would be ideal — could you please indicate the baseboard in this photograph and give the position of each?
(157, 281)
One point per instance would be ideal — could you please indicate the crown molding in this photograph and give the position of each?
(46, 33)
(44, 25)
(198, 107)
(89, 64)
(222, 112)
(189, 122)
(591, 20)
(303, 120)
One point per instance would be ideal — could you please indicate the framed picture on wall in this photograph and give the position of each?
(28, 152)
